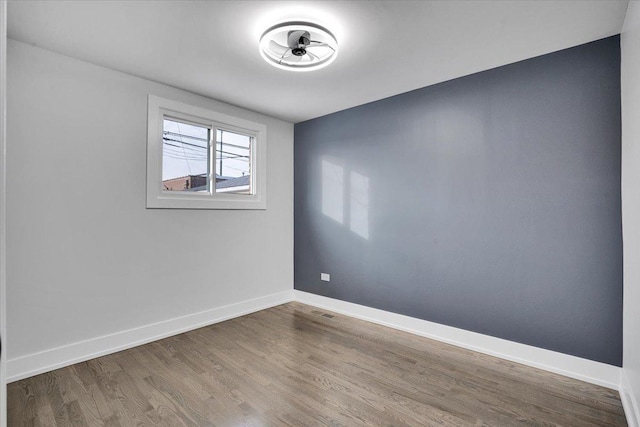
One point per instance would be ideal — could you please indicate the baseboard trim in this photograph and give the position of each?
(55, 358)
(571, 366)
(630, 401)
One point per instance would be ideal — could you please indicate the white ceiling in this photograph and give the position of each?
(386, 47)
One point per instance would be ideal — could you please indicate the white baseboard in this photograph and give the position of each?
(570, 366)
(48, 360)
(563, 364)
(630, 401)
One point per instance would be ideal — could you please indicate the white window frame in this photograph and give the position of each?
(157, 198)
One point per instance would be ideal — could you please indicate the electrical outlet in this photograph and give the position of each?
(326, 277)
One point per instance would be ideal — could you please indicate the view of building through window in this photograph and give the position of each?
(233, 162)
(185, 156)
(187, 159)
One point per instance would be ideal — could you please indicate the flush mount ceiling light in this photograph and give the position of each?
(298, 46)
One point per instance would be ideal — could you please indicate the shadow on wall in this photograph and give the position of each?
(345, 197)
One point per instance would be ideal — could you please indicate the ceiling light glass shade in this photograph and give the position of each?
(298, 46)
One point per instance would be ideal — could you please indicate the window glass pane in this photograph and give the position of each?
(185, 156)
(233, 162)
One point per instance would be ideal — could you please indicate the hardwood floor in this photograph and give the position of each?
(294, 365)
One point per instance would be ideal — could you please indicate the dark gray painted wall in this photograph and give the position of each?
(489, 203)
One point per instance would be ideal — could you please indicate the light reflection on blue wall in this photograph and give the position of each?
(359, 195)
(345, 197)
(333, 191)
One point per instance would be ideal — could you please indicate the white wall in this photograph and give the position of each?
(3, 300)
(86, 258)
(630, 44)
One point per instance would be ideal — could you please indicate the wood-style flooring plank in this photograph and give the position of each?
(296, 365)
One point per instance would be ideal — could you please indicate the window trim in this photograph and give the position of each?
(157, 198)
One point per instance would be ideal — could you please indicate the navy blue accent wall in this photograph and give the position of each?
(489, 203)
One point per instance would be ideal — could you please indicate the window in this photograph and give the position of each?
(201, 159)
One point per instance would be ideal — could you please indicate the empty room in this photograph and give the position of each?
(319, 213)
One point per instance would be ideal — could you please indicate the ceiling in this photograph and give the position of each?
(386, 47)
